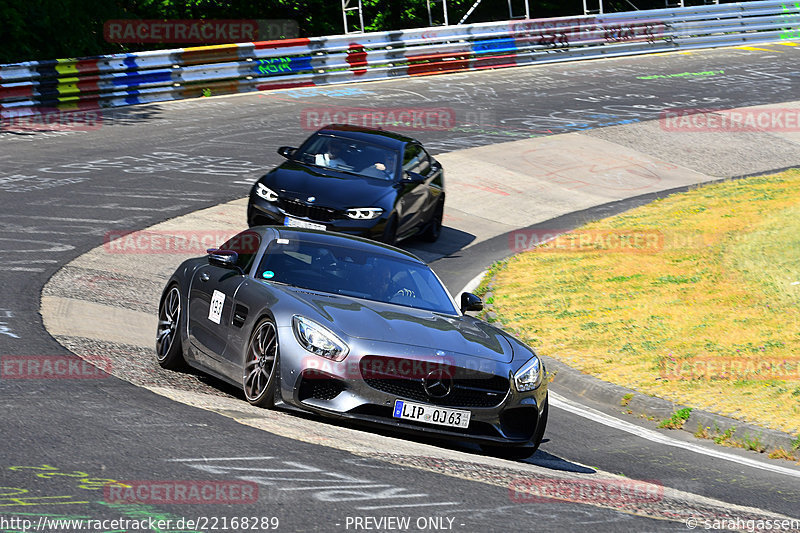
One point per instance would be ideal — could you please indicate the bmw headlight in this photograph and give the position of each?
(529, 376)
(266, 193)
(364, 213)
(318, 340)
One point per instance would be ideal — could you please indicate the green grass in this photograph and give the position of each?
(677, 420)
(717, 285)
(768, 256)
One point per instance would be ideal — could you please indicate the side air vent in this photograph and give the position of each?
(239, 315)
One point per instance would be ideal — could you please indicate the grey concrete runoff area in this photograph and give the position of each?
(556, 146)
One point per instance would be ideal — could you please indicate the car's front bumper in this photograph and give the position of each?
(261, 212)
(340, 390)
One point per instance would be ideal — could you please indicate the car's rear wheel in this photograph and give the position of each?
(169, 351)
(261, 363)
(390, 231)
(522, 452)
(434, 229)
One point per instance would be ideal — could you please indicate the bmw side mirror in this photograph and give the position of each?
(413, 177)
(470, 302)
(287, 151)
(223, 258)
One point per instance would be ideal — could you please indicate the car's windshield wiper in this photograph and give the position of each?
(280, 283)
(351, 172)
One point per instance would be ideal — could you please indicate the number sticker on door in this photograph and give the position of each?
(215, 311)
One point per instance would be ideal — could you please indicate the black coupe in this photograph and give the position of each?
(359, 181)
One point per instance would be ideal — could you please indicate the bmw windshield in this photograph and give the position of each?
(357, 273)
(348, 155)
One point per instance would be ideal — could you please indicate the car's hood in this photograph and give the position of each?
(369, 320)
(330, 188)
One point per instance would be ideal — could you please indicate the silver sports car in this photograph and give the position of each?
(350, 328)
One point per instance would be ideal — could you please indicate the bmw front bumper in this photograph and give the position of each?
(261, 212)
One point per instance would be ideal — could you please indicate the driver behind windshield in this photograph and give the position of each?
(332, 157)
(382, 165)
(384, 286)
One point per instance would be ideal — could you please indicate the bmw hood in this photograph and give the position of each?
(338, 190)
(413, 327)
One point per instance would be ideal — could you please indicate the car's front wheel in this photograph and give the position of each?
(261, 363)
(390, 231)
(434, 228)
(169, 351)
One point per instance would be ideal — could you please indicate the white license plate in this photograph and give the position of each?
(295, 223)
(431, 414)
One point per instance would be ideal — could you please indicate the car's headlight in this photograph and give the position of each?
(529, 376)
(266, 193)
(364, 213)
(318, 339)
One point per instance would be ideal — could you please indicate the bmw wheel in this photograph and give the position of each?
(390, 231)
(261, 363)
(434, 228)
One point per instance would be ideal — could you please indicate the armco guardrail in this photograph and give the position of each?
(124, 79)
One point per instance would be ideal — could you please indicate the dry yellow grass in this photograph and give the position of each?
(707, 288)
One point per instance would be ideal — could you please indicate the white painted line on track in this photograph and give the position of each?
(601, 418)
(335, 487)
(220, 459)
(69, 219)
(473, 283)
(374, 507)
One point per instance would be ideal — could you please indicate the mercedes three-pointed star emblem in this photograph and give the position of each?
(438, 383)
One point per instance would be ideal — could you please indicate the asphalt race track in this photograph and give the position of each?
(65, 192)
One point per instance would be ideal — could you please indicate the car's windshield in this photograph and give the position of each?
(348, 155)
(358, 273)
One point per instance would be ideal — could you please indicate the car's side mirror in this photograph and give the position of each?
(287, 151)
(413, 177)
(223, 258)
(470, 302)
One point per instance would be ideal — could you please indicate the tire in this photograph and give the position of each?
(169, 349)
(259, 377)
(518, 453)
(390, 231)
(434, 229)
